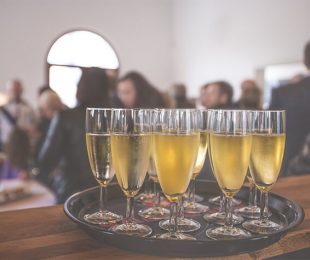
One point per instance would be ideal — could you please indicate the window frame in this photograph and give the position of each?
(48, 65)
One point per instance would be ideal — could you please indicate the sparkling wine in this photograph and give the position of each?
(230, 155)
(175, 156)
(131, 154)
(266, 159)
(99, 155)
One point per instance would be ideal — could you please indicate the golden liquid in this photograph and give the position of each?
(202, 150)
(230, 155)
(266, 159)
(175, 156)
(99, 156)
(131, 154)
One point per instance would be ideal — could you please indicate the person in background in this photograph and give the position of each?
(43, 120)
(201, 98)
(296, 78)
(43, 88)
(168, 102)
(65, 140)
(294, 98)
(16, 162)
(216, 94)
(49, 104)
(180, 98)
(251, 96)
(134, 91)
(300, 164)
(16, 113)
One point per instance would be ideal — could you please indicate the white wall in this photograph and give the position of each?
(140, 31)
(194, 41)
(220, 39)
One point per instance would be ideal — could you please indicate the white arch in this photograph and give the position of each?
(83, 49)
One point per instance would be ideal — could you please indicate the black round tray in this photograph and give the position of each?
(283, 210)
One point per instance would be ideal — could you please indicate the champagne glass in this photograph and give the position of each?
(266, 159)
(187, 224)
(251, 211)
(131, 146)
(156, 212)
(230, 143)
(219, 216)
(190, 205)
(176, 142)
(98, 141)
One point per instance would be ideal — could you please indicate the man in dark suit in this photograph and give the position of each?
(295, 99)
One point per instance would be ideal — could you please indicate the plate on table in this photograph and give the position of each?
(284, 211)
(13, 190)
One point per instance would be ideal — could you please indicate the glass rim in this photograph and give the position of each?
(132, 109)
(232, 110)
(98, 108)
(177, 109)
(266, 111)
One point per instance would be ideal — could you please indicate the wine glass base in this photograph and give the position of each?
(185, 225)
(176, 236)
(103, 218)
(198, 198)
(218, 218)
(251, 212)
(217, 201)
(132, 229)
(194, 208)
(154, 213)
(261, 226)
(227, 233)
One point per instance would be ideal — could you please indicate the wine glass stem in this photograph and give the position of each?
(192, 191)
(228, 212)
(181, 207)
(222, 203)
(148, 187)
(264, 206)
(130, 210)
(255, 196)
(103, 198)
(157, 196)
(173, 226)
(251, 195)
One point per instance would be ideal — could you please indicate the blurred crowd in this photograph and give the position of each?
(48, 144)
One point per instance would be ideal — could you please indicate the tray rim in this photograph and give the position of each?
(107, 234)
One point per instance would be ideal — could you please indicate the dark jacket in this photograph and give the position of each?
(65, 142)
(295, 99)
(300, 165)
